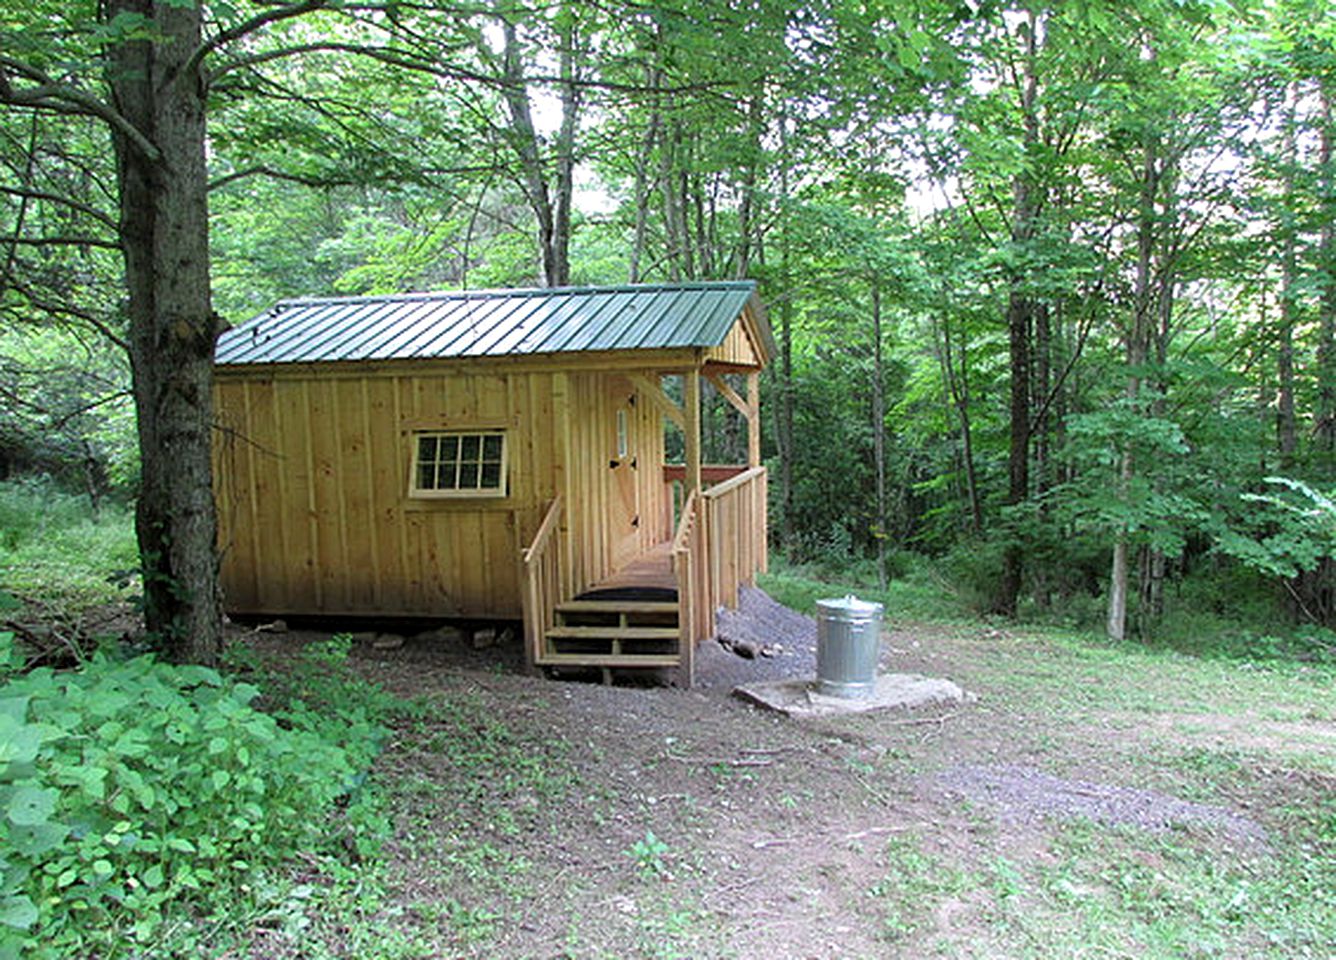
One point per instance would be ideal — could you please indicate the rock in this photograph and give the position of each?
(388, 641)
(446, 634)
(364, 637)
(484, 638)
(278, 626)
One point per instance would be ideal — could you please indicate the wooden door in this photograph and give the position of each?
(624, 493)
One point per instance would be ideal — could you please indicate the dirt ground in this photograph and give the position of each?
(642, 821)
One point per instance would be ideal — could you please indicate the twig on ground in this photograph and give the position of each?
(920, 721)
(725, 761)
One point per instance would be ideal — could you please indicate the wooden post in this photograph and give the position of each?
(754, 419)
(691, 400)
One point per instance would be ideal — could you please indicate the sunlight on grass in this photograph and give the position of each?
(55, 551)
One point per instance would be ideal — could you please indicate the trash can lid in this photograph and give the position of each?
(848, 607)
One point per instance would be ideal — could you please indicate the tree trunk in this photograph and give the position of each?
(552, 213)
(785, 431)
(164, 238)
(643, 189)
(1286, 439)
(1326, 253)
(1137, 348)
(879, 433)
(1020, 310)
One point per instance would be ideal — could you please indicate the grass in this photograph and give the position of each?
(54, 551)
(921, 596)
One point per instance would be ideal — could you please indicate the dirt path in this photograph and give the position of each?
(551, 819)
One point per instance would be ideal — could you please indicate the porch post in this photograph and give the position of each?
(753, 419)
(691, 401)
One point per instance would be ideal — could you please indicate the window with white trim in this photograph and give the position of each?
(459, 464)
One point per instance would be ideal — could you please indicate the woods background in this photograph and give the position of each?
(1053, 283)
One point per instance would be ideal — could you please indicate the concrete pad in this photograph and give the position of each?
(906, 691)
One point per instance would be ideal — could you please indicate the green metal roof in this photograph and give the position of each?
(485, 323)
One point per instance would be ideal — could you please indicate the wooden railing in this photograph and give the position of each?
(695, 611)
(543, 582)
(735, 519)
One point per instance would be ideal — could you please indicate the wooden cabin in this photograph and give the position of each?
(496, 455)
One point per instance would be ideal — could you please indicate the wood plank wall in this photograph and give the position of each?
(312, 481)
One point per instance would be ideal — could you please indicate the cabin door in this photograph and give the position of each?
(624, 493)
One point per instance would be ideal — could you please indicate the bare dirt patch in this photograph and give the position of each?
(523, 825)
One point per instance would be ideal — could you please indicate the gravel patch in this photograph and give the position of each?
(784, 643)
(1024, 795)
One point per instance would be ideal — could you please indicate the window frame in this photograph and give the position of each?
(501, 491)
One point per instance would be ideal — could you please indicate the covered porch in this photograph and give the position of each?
(653, 608)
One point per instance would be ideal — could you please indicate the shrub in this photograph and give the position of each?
(134, 793)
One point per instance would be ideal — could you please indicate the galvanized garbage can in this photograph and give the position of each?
(848, 640)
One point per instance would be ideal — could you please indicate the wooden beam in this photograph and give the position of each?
(728, 393)
(753, 419)
(691, 398)
(656, 395)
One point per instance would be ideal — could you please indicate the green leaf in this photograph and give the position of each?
(36, 839)
(19, 742)
(153, 876)
(29, 805)
(17, 912)
(102, 868)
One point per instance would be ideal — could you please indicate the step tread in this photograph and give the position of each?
(609, 660)
(617, 606)
(613, 633)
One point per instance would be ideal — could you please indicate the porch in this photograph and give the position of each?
(651, 612)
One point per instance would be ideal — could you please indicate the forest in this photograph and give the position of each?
(1052, 283)
(1053, 287)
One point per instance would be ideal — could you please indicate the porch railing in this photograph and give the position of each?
(695, 612)
(735, 520)
(544, 582)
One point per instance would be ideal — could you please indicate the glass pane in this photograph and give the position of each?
(491, 476)
(426, 449)
(426, 476)
(468, 446)
(468, 476)
(449, 448)
(491, 447)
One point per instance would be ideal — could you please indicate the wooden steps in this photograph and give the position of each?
(613, 634)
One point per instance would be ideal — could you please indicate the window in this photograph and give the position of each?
(621, 435)
(459, 464)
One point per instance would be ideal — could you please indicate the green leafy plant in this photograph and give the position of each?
(648, 853)
(136, 793)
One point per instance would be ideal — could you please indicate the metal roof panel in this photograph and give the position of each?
(491, 323)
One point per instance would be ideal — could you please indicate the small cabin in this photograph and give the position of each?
(496, 455)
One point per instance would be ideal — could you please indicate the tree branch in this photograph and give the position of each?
(50, 94)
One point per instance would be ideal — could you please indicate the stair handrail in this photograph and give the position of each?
(543, 582)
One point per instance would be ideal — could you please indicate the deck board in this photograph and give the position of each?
(653, 569)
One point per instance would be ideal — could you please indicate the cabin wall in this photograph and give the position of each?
(312, 480)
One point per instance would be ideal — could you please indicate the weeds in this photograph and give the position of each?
(648, 854)
(53, 549)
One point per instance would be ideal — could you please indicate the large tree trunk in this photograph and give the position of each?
(164, 236)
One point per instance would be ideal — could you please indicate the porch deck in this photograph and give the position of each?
(651, 612)
(648, 577)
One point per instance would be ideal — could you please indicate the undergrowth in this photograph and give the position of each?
(55, 550)
(151, 804)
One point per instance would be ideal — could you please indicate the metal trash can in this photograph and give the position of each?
(848, 640)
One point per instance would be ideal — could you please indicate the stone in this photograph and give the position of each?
(905, 691)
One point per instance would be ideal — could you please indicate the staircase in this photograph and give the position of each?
(613, 633)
